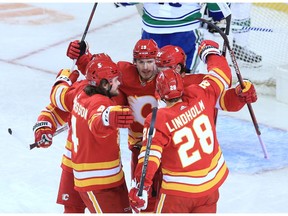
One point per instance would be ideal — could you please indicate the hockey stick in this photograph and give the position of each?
(227, 14)
(33, 145)
(227, 31)
(148, 146)
(86, 31)
(240, 79)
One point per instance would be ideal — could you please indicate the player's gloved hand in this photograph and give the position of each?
(77, 49)
(67, 77)
(138, 203)
(43, 134)
(248, 94)
(117, 116)
(208, 47)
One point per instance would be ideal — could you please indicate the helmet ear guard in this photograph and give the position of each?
(169, 84)
(145, 49)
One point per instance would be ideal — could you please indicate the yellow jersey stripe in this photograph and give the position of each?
(222, 74)
(99, 181)
(222, 101)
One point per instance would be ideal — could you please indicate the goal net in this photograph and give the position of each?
(267, 45)
(260, 42)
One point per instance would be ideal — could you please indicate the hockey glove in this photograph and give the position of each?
(43, 134)
(117, 116)
(77, 49)
(248, 94)
(67, 77)
(208, 47)
(138, 203)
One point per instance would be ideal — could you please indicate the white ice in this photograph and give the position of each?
(33, 50)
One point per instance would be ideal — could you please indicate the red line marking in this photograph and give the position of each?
(28, 66)
(75, 36)
(14, 61)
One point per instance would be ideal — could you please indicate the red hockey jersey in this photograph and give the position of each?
(140, 96)
(185, 141)
(94, 148)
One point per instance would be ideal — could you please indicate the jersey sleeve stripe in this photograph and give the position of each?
(216, 80)
(221, 102)
(152, 158)
(56, 97)
(50, 116)
(58, 117)
(221, 76)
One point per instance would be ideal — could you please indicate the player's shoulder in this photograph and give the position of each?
(129, 71)
(193, 91)
(190, 79)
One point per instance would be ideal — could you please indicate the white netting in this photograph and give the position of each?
(272, 47)
(263, 51)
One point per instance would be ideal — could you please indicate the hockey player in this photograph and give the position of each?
(48, 121)
(185, 142)
(97, 168)
(175, 24)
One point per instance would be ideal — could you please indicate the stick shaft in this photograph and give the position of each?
(86, 30)
(227, 31)
(89, 21)
(149, 141)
